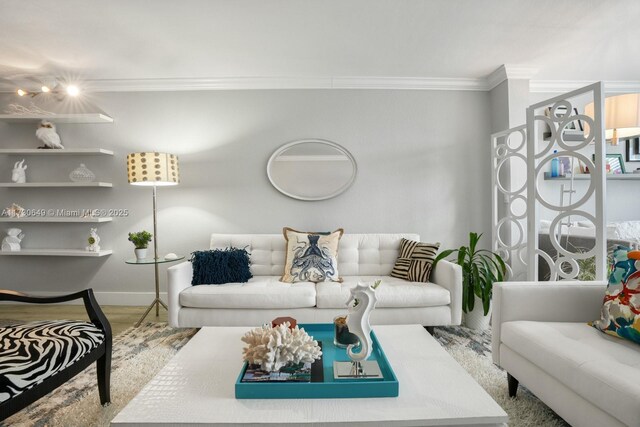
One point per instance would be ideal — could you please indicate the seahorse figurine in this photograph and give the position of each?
(358, 320)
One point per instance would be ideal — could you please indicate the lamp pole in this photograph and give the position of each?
(155, 250)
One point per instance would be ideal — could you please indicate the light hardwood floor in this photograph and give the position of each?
(120, 317)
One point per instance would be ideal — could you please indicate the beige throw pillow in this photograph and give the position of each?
(311, 257)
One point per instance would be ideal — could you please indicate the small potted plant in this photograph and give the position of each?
(141, 241)
(481, 268)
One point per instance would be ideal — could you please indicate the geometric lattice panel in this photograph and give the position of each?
(509, 199)
(549, 124)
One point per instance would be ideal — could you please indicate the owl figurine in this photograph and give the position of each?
(47, 134)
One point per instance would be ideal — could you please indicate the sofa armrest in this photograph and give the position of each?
(449, 275)
(179, 278)
(562, 301)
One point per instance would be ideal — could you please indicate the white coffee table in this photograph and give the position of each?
(196, 387)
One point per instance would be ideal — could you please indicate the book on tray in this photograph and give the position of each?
(300, 373)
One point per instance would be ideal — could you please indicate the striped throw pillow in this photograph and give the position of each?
(415, 260)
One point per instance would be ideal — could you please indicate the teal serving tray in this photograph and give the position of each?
(330, 388)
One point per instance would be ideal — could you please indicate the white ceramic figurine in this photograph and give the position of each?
(11, 243)
(358, 320)
(47, 134)
(19, 174)
(93, 240)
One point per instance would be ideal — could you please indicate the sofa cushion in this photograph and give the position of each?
(392, 292)
(32, 352)
(602, 369)
(258, 292)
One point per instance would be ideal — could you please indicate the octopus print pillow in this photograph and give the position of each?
(311, 257)
(620, 315)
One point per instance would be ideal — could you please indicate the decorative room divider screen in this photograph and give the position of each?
(517, 196)
(509, 184)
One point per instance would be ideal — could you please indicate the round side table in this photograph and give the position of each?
(157, 302)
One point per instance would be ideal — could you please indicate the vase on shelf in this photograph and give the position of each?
(82, 174)
(141, 253)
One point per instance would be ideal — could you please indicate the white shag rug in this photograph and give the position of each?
(139, 353)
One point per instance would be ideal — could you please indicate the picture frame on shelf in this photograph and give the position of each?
(614, 164)
(560, 111)
(633, 149)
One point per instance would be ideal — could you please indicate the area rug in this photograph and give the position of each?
(139, 353)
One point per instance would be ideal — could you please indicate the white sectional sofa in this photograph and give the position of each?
(361, 257)
(542, 339)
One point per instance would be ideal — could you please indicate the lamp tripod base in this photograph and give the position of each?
(156, 303)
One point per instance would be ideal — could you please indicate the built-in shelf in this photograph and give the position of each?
(54, 184)
(58, 252)
(56, 152)
(569, 136)
(586, 176)
(89, 220)
(57, 118)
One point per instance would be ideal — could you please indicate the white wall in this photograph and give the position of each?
(423, 166)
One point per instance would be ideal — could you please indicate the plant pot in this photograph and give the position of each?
(476, 319)
(141, 254)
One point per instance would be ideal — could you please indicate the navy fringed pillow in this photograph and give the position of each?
(219, 266)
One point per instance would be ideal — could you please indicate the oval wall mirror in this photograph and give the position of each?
(311, 169)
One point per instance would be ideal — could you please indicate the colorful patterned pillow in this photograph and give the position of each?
(415, 260)
(311, 257)
(621, 307)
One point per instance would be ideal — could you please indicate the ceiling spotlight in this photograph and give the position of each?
(73, 90)
(21, 92)
(45, 89)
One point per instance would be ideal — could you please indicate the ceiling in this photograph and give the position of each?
(163, 39)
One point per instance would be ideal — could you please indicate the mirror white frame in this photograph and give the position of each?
(289, 145)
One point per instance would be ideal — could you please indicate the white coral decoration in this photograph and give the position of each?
(272, 348)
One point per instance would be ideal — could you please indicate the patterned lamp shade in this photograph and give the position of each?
(153, 169)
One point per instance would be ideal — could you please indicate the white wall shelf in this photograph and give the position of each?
(55, 184)
(58, 252)
(586, 176)
(55, 152)
(57, 219)
(57, 118)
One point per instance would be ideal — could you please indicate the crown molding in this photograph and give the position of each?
(562, 86)
(501, 74)
(258, 83)
(509, 72)
(253, 83)
(409, 83)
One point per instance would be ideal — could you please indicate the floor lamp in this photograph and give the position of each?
(153, 170)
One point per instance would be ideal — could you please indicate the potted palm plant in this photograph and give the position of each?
(481, 268)
(140, 240)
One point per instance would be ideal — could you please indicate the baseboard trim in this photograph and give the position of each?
(107, 298)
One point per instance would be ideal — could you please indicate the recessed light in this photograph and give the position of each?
(21, 92)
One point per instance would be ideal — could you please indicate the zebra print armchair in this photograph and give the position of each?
(38, 357)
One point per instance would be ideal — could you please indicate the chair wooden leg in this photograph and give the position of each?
(430, 329)
(103, 366)
(513, 385)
